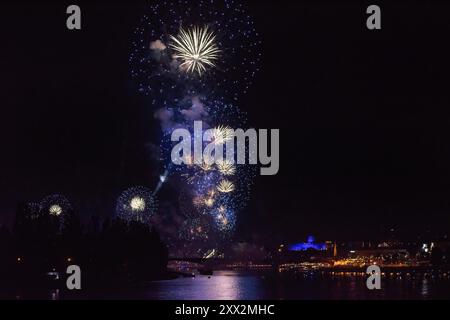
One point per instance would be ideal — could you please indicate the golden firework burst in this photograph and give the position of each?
(226, 167)
(222, 134)
(226, 186)
(209, 202)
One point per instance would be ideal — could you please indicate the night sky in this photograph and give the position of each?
(364, 116)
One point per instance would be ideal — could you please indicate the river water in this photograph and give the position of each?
(235, 285)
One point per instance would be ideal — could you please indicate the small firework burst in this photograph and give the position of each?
(227, 53)
(57, 207)
(226, 167)
(197, 49)
(209, 202)
(136, 204)
(212, 193)
(188, 160)
(222, 134)
(198, 201)
(226, 186)
(224, 219)
(206, 167)
(55, 210)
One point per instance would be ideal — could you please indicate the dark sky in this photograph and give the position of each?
(364, 115)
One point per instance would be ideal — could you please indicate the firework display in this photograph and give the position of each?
(178, 49)
(196, 48)
(136, 204)
(192, 61)
(226, 186)
(213, 192)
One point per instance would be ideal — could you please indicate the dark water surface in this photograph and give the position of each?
(234, 285)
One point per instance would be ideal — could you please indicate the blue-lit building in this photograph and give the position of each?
(309, 245)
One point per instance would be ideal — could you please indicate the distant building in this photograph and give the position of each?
(309, 245)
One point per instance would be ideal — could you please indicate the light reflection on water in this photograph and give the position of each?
(233, 285)
(230, 285)
(223, 286)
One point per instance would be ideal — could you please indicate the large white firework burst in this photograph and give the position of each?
(197, 49)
